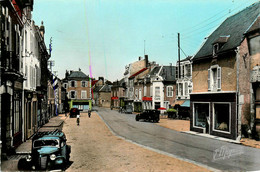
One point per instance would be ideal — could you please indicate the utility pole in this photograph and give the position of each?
(179, 68)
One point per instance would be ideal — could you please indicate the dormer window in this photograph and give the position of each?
(219, 43)
(215, 49)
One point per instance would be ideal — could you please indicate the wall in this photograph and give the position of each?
(106, 97)
(244, 82)
(228, 73)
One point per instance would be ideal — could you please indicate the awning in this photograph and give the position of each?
(147, 99)
(186, 103)
(178, 102)
(114, 98)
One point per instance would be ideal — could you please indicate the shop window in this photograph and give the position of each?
(221, 116)
(200, 113)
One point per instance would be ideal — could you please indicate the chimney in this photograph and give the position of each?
(146, 60)
(66, 74)
(42, 30)
(79, 69)
(140, 58)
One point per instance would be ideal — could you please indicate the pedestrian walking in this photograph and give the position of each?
(78, 116)
(89, 113)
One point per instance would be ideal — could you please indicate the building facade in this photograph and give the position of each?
(78, 88)
(220, 100)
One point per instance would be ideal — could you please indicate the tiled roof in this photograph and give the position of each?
(255, 26)
(97, 88)
(77, 75)
(106, 88)
(155, 70)
(235, 26)
(168, 73)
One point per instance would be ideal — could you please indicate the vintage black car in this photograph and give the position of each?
(149, 115)
(49, 151)
(74, 112)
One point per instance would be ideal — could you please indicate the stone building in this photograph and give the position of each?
(78, 88)
(220, 100)
(104, 97)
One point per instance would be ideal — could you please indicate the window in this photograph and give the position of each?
(83, 94)
(145, 90)
(83, 84)
(177, 88)
(215, 49)
(186, 89)
(151, 91)
(180, 89)
(200, 113)
(221, 113)
(188, 70)
(214, 78)
(136, 93)
(169, 91)
(157, 93)
(73, 94)
(65, 85)
(72, 84)
(140, 94)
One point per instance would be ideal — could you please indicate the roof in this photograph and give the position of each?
(93, 82)
(235, 26)
(155, 70)
(255, 26)
(187, 58)
(137, 73)
(78, 75)
(168, 73)
(106, 88)
(97, 88)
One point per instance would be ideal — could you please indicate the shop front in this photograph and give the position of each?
(81, 104)
(147, 102)
(214, 114)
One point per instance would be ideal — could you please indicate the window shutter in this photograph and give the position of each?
(219, 78)
(75, 83)
(209, 84)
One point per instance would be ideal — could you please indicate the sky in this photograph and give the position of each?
(110, 34)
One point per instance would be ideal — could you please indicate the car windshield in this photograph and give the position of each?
(41, 143)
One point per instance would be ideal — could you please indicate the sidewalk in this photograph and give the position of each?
(184, 127)
(55, 122)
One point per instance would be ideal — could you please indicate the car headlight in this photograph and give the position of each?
(28, 158)
(53, 157)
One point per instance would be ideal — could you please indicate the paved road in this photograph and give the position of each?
(189, 147)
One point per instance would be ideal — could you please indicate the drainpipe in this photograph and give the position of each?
(238, 107)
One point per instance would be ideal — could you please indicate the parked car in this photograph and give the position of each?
(74, 112)
(149, 115)
(49, 151)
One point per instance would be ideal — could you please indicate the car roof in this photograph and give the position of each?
(56, 134)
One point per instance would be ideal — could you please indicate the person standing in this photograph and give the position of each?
(89, 113)
(78, 116)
